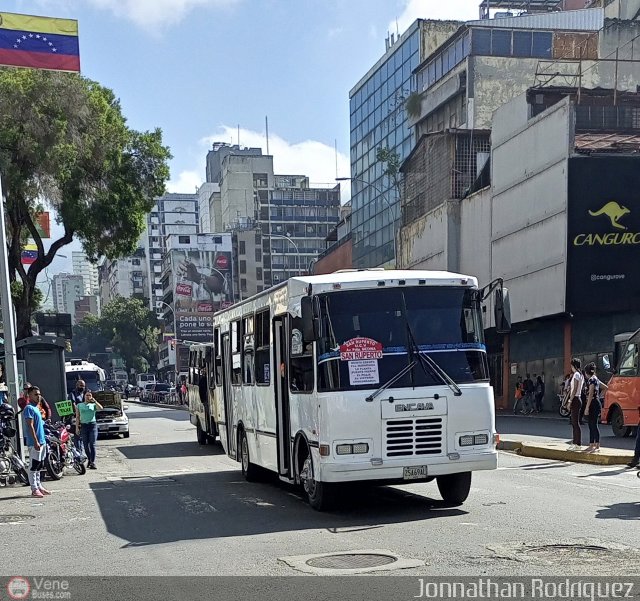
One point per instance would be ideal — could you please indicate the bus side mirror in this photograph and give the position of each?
(502, 311)
(606, 363)
(310, 322)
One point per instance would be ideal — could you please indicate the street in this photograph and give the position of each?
(160, 504)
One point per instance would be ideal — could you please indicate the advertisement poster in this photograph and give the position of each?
(203, 285)
(603, 271)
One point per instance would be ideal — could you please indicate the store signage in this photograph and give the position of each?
(603, 273)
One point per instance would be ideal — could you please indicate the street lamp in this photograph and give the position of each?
(386, 201)
(294, 245)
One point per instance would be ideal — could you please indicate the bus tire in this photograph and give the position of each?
(320, 495)
(249, 470)
(454, 488)
(617, 423)
(201, 434)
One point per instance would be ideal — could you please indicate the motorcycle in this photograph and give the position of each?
(12, 468)
(61, 452)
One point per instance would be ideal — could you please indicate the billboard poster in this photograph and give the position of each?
(203, 285)
(603, 271)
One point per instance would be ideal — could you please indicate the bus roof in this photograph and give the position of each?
(286, 295)
(367, 277)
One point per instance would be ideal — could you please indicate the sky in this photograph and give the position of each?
(206, 70)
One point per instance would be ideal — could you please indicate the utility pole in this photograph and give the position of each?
(10, 362)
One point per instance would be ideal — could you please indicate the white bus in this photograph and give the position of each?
(93, 375)
(143, 379)
(378, 376)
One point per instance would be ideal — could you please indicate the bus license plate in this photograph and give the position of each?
(414, 473)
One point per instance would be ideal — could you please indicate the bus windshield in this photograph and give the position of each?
(91, 380)
(366, 337)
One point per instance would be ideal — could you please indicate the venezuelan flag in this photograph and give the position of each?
(39, 42)
(29, 254)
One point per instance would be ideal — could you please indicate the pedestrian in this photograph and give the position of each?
(76, 396)
(594, 408)
(528, 394)
(540, 389)
(23, 399)
(87, 427)
(577, 383)
(183, 393)
(517, 396)
(36, 441)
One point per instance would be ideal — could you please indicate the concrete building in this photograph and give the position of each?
(67, 289)
(209, 208)
(379, 120)
(173, 214)
(86, 305)
(127, 277)
(558, 223)
(295, 221)
(338, 253)
(89, 272)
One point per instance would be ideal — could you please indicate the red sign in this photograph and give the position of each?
(205, 308)
(184, 289)
(360, 349)
(222, 262)
(226, 304)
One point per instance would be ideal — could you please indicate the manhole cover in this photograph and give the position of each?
(351, 561)
(15, 518)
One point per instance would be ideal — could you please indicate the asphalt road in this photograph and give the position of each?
(159, 504)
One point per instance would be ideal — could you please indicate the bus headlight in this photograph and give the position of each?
(359, 448)
(479, 439)
(466, 441)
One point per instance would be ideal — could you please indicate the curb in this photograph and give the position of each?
(558, 452)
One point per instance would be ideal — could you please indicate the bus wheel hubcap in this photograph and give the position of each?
(307, 477)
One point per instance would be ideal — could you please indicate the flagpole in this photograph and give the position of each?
(10, 359)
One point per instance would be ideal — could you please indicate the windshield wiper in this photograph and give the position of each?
(400, 374)
(425, 360)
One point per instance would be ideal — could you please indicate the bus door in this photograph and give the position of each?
(283, 425)
(228, 397)
(203, 388)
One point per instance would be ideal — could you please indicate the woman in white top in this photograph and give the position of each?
(577, 382)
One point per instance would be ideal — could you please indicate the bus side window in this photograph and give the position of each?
(236, 355)
(247, 350)
(629, 364)
(218, 359)
(300, 359)
(263, 348)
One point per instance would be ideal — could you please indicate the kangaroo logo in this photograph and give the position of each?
(613, 211)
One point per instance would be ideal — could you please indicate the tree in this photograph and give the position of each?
(392, 169)
(132, 330)
(88, 337)
(64, 141)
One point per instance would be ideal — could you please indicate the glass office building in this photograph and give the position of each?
(378, 120)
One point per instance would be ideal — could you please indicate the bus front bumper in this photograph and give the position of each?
(393, 470)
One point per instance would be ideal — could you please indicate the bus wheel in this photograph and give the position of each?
(454, 488)
(201, 434)
(249, 470)
(617, 423)
(319, 494)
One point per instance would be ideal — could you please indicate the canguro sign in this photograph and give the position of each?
(603, 271)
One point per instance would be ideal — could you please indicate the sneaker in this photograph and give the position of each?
(44, 491)
(634, 462)
(92, 466)
(36, 493)
(574, 447)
